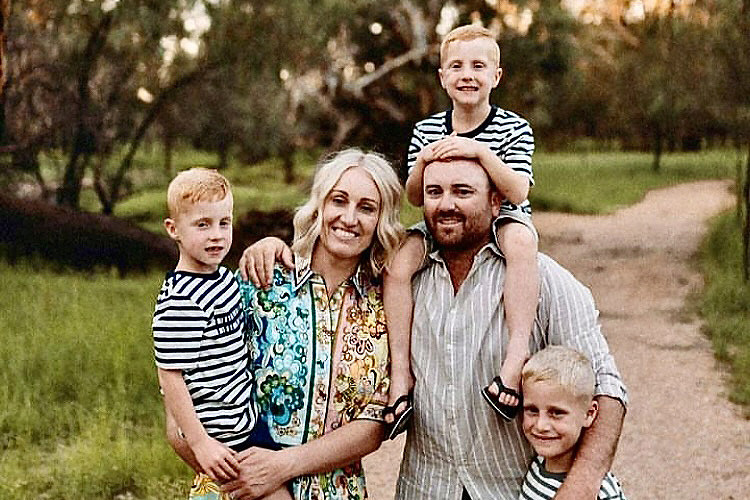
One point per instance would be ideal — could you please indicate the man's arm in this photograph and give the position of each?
(595, 453)
(264, 471)
(570, 317)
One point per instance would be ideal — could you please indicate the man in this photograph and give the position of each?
(457, 448)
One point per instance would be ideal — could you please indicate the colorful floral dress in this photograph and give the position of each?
(320, 362)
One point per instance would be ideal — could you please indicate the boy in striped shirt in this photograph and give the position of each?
(558, 388)
(503, 143)
(200, 340)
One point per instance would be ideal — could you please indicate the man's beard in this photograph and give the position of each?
(468, 233)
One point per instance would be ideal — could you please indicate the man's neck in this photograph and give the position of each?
(466, 119)
(459, 262)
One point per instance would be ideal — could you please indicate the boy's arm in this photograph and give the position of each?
(213, 457)
(595, 453)
(414, 188)
(512, 185)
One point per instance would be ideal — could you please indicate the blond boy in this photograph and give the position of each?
(503, 143)
(200, 340)
(558, 388)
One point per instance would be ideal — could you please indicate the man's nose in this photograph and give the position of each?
(446, 202)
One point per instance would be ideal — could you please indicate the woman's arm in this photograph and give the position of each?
(263, 471)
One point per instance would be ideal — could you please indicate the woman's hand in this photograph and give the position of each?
(258, 260)
(261, 473)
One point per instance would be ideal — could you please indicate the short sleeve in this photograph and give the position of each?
(519, 149)
(178, 327)
(416, 144)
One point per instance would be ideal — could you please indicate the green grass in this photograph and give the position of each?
(725, 304)
(81, 413)
(600, 183)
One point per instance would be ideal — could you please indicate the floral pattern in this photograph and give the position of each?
(319, 363)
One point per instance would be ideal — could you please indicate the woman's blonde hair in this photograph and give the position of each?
(389, 231)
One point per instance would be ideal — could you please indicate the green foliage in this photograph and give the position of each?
(726, 303)
(81, 413)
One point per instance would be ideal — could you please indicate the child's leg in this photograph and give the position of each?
(398, 303)
(521, 295)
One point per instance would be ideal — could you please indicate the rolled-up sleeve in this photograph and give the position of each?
(570, 318)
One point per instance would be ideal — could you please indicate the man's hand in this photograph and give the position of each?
(215, 459)
(261, 473)
(258, 260)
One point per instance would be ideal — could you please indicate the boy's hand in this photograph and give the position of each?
(258, 260)
(453, 146)
(215, 459)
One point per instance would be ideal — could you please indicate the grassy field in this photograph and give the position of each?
(82, 415)
(725, 303)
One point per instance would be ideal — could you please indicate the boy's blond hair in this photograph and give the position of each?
(195, 185)
(467, 33)
(567, 367)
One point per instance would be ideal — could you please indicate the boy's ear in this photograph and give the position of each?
(498, 77)
(171, 228)
(440, 77)
(591, 413)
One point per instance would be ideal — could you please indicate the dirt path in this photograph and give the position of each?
(682, 438)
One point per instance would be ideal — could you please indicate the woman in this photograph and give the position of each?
(319, 337)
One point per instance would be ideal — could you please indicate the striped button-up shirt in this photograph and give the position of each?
(456, 440)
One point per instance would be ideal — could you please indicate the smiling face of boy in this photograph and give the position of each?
(469, 71)
(553, 419)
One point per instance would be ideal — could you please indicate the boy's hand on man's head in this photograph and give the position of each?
(455, 146)
(216, 460)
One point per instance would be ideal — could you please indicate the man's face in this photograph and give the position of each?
(458, 204)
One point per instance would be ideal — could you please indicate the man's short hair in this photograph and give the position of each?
(567, 367)
(467, 33)
(195, 185)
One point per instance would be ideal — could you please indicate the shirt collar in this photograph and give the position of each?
(302, 273)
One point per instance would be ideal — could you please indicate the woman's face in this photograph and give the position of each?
(350, 215)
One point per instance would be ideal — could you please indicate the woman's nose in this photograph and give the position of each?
(349, 215)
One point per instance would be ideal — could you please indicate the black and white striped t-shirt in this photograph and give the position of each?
(506, 134)
(199, 328)
(540, 484)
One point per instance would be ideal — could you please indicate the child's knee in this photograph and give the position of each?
(517, 240)
(407, 260)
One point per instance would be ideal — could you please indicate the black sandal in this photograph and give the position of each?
(400, 421)
(508, 412)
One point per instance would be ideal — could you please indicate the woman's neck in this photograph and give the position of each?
(466, 119)
(333, 269)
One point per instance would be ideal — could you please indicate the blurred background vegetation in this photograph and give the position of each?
(103, 101)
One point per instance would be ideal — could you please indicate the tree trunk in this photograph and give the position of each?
(656, 165)
(168, 157)
(746, 229)
(288, 165)
(70, 191)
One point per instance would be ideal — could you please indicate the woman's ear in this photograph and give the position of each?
(591, 413)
